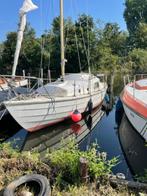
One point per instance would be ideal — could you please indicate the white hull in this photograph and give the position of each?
(138, 122)
(39, 112)
(135, 105)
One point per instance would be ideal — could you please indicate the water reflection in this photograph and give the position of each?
(134, 147)
(51, 137)
(8, 128)
(105, 135)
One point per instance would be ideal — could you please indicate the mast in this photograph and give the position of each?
(62, 40)
(26, 7)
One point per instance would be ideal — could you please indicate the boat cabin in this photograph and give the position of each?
(73, 85)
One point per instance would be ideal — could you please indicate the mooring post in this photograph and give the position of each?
(83, 167)
(23, 72)
(49, 75)
(29, 82)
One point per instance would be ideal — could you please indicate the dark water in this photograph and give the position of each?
(134, 148)
(106, 135)
(99, 127)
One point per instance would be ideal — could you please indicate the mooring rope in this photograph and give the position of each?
(3, 113)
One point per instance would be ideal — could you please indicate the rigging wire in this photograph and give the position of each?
(76, 39)
(51, 10)
(83, 39)
(41, 44)
(67, 30)
(88, 36)
(45, 11)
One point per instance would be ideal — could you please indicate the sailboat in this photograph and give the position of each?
(55, 101)
(10, 85)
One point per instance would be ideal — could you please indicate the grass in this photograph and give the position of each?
(64, 164)
(14, 164)
(62, 169)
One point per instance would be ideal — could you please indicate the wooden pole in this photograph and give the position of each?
(83, 169)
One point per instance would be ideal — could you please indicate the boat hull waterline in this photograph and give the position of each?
(37, 113)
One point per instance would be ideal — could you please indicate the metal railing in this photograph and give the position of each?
(132, 79)
(140, 76)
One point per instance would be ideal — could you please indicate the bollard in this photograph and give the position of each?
(83, 169)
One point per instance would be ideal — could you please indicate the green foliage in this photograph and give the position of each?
(8, 52)
(6, 151)
(92, 190)
(103, 48)
(111, 47)
(118, 83)
(87, 41)
(1, 53)
(30, 53)
(142, 177)
(65, 164)
(136, 19)
(137, 59)
(114, 38)
(14, 163)
(140, 36)
(135, 12)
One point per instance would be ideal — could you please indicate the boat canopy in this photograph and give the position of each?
(74, 85)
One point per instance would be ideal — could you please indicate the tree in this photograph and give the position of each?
(135, 13)
(115, 39)
(8, 52)
(140, 36)
(79, 43)
(87, 41)
(53, 40)
(101, 48)
(137, 59)
(108, 61)
(1, 53)
(30, 54)
(111, 47)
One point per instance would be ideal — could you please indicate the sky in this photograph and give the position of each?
(41, 19)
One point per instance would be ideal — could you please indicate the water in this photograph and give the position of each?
(106, 135)
(134, 148)
(120, 141)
